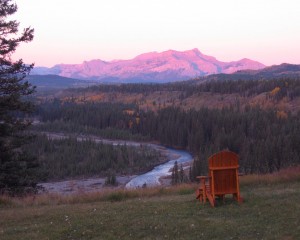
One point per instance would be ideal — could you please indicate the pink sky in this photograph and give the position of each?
(73, 31)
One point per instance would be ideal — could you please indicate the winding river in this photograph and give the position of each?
(149, 179)
(152, 178)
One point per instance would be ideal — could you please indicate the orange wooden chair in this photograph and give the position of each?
(223, 178)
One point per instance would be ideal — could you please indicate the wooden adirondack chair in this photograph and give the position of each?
(223, 178)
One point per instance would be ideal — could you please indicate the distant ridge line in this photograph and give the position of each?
(167, 66)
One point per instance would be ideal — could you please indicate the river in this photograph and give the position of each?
(149, 179)
(153, 177)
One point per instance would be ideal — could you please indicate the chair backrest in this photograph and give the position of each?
(223, 170)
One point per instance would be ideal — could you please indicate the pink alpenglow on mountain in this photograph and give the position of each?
(168, 66)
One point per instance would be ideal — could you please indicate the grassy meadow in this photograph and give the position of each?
(271, 210)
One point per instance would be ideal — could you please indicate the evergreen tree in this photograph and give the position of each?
(181, 174)
(175, 174)
(191, 179)
(16, 168)
(111, 179)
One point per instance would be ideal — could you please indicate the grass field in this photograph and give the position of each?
(271, 210)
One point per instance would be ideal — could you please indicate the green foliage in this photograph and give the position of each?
(75, 128)
(178, 175)
(265, 140)
(182, 177)
(96, 115)
(223, 83)
(65, 158)
(17, 169)
(103, 119)
(111, 179)
(175, 174)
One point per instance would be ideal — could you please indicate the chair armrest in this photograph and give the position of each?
(202, 177)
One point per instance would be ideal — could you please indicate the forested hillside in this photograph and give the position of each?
(70, 158)
(282, 94)
(283, 70)
(266, 140)
(258, 119)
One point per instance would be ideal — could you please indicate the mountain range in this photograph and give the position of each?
(167, 66)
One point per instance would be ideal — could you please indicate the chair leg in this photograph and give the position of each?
(237, 198)
(211, 200)
(199, 195)
(201, 198)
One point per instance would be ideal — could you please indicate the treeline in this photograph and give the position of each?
(99, 115)
(108, 120)
(103, 119)
(286, 87)
(67, 158)
(70, 127)
(277, 88)
(266, 140)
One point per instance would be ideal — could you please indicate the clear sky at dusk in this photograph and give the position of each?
(69, 31)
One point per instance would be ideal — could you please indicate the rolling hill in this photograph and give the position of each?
(43, 82)
(283, 70)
